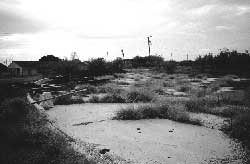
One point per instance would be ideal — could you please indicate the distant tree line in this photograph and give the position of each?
(50, 66)
(147, 61)
(225, 62)
(156, 62)
(99, 66)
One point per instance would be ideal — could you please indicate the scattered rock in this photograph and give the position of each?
(171, 131)
(103, 151)
(138, 128)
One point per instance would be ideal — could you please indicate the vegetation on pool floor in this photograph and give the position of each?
(162, 111)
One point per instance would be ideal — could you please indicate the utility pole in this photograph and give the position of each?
(149, 44)
(122, 53)
(187, 57)
(171, 56)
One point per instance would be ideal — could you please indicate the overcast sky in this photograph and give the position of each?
(30, 29)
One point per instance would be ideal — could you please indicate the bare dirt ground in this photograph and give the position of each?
(145, 141)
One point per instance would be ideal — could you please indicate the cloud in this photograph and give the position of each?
(223, 27)
(93, 27)
(9, 2)
(12, 23)
(243, 10)
(232, 2)
(201, 11)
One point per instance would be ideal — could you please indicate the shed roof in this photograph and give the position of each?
(27, 64)
(3, 67)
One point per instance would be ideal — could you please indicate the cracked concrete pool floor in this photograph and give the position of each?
(145, 141)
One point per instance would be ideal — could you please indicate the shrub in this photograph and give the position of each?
(169, 67)
(67, 100)
(201, 105)
(94, 99)
(128, 114)
(232, 111)
(200, 93)
(13, 114)
(137, 79)
(247, 96)
(160, 91)
(168, 84)
(13, 109)
(148, 112)
(102, 89)
(77, 100)
(182, 116)
(8, 91)
(109, 88)
(147, 61)
(71, 85)
(117, 65)
(228, 99)
(109, 98)
(184, 88)
(91, 89)
(201, 76)
(214, 87)
(161, 111)
(241, 127)
(112, 98)
(142, 112)
(30, 140)
(140, 95)
(97, 67)
(196, 105)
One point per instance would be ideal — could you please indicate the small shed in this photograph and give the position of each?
(23, 68)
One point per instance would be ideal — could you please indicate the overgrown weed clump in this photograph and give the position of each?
(152, 111)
